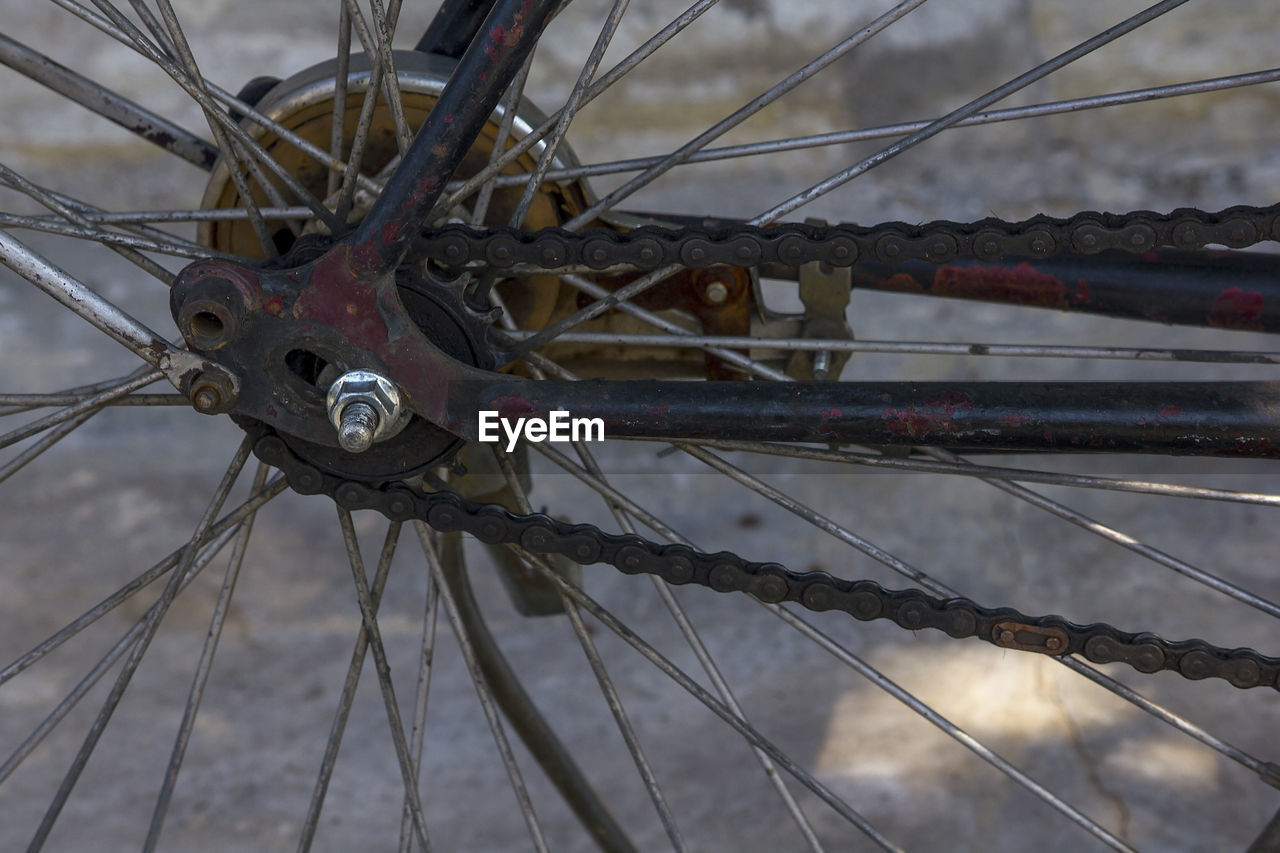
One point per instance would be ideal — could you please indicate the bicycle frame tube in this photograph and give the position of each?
(485, 70)
(454, 27)
(1190, 418)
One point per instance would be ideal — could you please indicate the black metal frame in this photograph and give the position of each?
(492, 39)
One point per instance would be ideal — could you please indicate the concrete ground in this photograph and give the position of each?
(127, 488)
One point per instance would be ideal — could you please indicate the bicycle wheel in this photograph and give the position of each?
(856, 733)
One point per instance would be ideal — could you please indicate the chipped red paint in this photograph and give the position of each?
(1236, 308)
(335, 297)
(1082, 291)
(935, 417)
(1013, 421)
(392, 230)
(1020, 285)
(1171, 411)
(952, 402)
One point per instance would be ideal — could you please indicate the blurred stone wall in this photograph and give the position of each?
(1208, 149)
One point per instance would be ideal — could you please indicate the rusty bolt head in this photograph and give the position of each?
(376, 392)
(716, 292)
(211, 394)
(206, 399)
(1053, 644)
(1006, 636)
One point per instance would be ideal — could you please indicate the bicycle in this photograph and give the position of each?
(276, 301)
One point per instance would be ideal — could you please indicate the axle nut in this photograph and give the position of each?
(365, 407)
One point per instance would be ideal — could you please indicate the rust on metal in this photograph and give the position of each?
(1020, 284)
(1029, 638)
(695, 291)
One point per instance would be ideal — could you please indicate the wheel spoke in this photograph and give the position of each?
(112, 240)
(116, 324)
(745, 112)
(15, 403)
(693, 340)
(529, 140)
(685, 625)
(205, 94)
(235, 165)
(949, 728)
(510, 104)
(426, 653)
(972, 108)
(1267, 771)
(965, 468)
(203, 668)
(47, 441)
(95, 215)
(106, 103)
(383, 669)
(217, 93)
(567, 113)
(350, 181)
(820, 521)
(153, 25)
(214, 539)
(702, 695)
(384, 24)
(104, 664)
(138, 379)
(519, 709)
(347, 696)
(1264, 769)
(138, 650)
(612, 699)
(482, 689)
(338, 128)
(1201, 576)
(79, 225)
(619, 299)
(843, 137)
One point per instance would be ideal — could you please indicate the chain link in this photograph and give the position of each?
(793, 244)
(772, 583)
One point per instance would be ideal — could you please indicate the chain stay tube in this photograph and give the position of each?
(1200, 418)
(772, 583)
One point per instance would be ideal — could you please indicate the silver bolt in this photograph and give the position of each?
(821, 365)
(716, 292)
(365, 407)
(358, 427)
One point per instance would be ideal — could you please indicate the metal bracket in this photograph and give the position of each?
(824, 290)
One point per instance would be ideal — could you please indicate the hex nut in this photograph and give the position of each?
(374, 390)
(211, 393)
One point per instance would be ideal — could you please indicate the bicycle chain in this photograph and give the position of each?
(791, 244)
(736, 244)
(773, 583)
